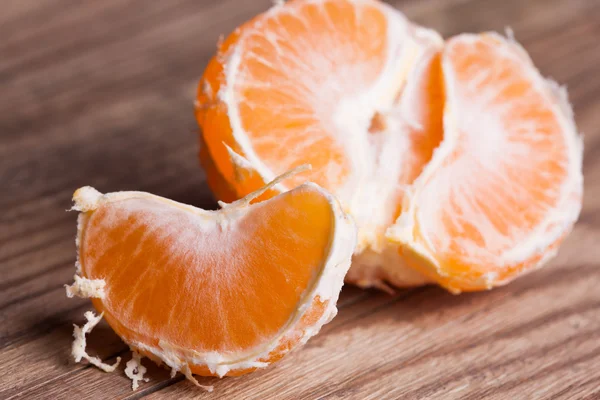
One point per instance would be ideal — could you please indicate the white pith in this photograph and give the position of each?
(327, 286)
(558, 220)
(369, 194)
(135, 370)
(80, 343)
(85, 288)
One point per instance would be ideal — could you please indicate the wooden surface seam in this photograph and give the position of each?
(101, 94)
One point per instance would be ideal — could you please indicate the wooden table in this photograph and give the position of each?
(101, 93)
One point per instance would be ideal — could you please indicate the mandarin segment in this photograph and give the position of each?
(215, 292)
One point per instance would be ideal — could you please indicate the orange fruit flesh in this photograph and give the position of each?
(296, 65)
(294, 112)
(225, 282)
(269, 84)
(504, 177)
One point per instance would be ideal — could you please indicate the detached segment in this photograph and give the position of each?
(213, 293)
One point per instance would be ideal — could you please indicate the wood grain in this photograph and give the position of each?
(100, 93)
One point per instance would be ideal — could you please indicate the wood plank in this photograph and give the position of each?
(101, 94)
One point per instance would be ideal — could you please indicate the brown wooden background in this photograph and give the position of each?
(100, 93)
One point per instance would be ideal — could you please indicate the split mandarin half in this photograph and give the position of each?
(459, 162)
(349, 86)
(215, 292)
(505, 185)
